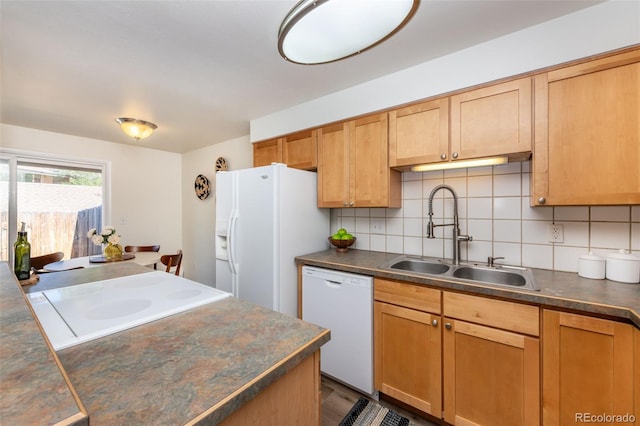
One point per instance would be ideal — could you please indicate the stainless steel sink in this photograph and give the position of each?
(493, 276)
(425, 267)
(503, 275)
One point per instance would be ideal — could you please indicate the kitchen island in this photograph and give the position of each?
(224, 363)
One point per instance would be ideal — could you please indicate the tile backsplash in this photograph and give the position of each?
(493, 207)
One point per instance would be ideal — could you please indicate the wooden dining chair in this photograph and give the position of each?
(172, 260)
(133, 249)
(38, 262)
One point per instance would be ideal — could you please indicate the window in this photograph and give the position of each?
(57, 200)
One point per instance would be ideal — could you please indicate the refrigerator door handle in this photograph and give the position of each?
(231, 246)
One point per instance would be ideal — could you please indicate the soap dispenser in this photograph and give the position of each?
(22, 255)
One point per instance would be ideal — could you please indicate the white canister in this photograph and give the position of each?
(623, 267)
(591, 266)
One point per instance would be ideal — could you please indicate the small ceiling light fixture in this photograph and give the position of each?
(321, 31)
(493, 161)
(137, 129)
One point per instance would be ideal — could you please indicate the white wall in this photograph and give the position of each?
(493, 207)
(146, 185)
(198, 229)
(600, 28)
(154, 191)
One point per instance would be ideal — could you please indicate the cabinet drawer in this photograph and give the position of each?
(408, 295)
(496, 313)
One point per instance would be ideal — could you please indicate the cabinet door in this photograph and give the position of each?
(491, 376)
(407, 356)
(267, 152)
(588, 367)
(300, 150)
(587, 133)
(493, 120)
(333, 166)
(372, 183)
(419, 134)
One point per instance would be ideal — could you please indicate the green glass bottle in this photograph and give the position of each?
(22, 256)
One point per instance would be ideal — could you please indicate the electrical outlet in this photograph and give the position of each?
(377, 227)
(556, 233)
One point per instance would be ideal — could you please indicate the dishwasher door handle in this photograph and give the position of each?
(333, 284)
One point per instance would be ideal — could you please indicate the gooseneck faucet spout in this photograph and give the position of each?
(456, 228)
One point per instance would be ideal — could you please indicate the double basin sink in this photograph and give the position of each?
(503, 276)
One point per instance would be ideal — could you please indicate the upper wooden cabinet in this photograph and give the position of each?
(588, 368)
(353, 167)
(493, 120)
(419, 134)
(298, 150)
(587, 133)
(267, 152)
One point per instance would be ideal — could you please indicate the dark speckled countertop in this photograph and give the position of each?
(560, 290)
(33, 389)
(197, 366)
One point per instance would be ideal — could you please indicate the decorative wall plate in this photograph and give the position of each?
(221, 164)
(202, 187)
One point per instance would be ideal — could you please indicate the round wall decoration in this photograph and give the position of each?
(221, 164)
(202, 187)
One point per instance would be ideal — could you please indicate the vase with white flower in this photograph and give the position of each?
(109, 239)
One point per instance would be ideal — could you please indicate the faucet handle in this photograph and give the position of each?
(491, 260)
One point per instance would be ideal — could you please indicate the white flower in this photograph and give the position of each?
(107, 236)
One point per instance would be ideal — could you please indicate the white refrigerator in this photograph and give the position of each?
(265, 216)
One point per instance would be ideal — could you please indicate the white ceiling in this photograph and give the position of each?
(201, 70)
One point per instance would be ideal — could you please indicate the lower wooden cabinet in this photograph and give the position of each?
(491, 358)
(491, 376)
(407, 344)
(445, 354)
(408, 360)
(473, 360)
(588, 368)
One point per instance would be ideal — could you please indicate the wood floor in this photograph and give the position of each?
(338, 399)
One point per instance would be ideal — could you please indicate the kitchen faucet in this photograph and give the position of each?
(456, 228)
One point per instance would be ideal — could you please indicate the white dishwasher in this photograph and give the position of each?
(343, 303)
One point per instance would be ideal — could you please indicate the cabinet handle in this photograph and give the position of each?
(434, 322)
(345, 204)
(454, 155)
(542, 200)
(351, 204)
(447, 325)
(443, 156)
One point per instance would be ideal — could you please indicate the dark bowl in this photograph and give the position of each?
(342, 245)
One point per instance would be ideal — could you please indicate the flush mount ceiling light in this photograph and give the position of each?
(137, 129)
(321, 31)
(493, 161)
